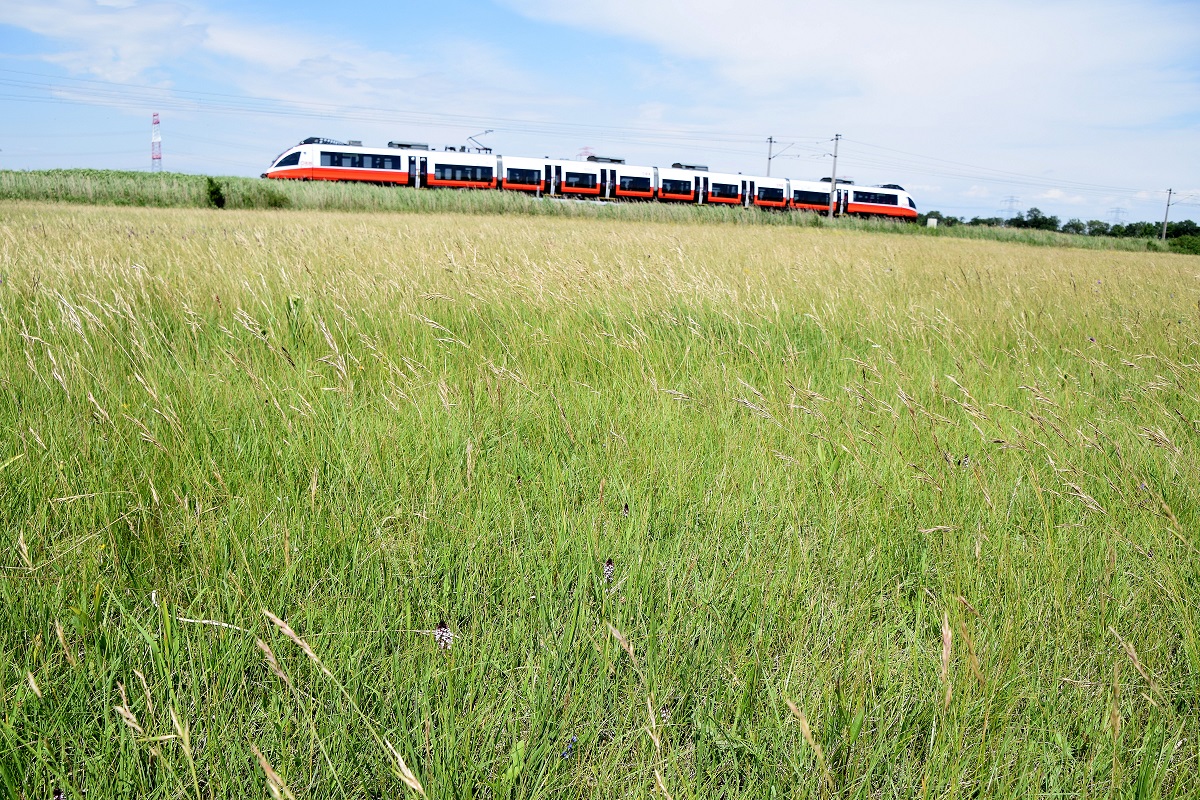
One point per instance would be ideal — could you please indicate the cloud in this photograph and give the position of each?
(149, 41)
(1059, 196)
(117, 42)
(1026, 65)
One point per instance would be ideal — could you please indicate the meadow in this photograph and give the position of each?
(181, 190)
(888, 515)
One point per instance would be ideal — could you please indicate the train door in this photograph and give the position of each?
(556, 187)
(744, 195)
(612, 182)
(750, 198)
(423, 175)
(702, 193)
(412, 170)
(546, 185)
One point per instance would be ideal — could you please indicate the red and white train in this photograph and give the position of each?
(407, 164)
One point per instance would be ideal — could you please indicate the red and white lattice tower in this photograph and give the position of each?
(155, 145)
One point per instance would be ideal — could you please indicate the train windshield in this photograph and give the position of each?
(290, 160)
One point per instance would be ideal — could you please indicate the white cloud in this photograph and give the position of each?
(1059, 196)
(134, 41)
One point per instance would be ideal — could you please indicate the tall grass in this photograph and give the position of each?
(888, 516)
(175, 190)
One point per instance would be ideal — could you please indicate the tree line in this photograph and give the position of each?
(1184, 234)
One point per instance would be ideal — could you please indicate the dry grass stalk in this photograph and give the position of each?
(62, 640)
(1137, 662)
(287, 631)
(806, 731)
(662, 785)
(625, 645)
(145, 691)
(23, 551)
(33, 685)
(273, 663)
(947, 645)
(130, 719)
(406, 775)
(972, 659)
(275, 783)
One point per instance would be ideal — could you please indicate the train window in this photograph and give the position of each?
(290, 160)
(382, 162)
(676, 187)
(341, 159)
(525, 177)
(632, 184)
(769, 194)
(581, 180)
(460, 172)
(730, 190)
(878, 198)
(911, 204)
(811, 198)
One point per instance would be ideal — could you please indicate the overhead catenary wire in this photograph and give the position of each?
(696, 138)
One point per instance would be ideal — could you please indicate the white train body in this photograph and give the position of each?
(318, 159)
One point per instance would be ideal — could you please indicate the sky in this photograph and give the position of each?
(1085, 109)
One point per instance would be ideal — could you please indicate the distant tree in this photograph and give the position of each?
(944, 220)
(1037, 221)
(1185, 227)
(1142, 230)
(1074, 226)
(994, 222)
(1097, 227)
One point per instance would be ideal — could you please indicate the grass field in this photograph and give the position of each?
(889, 515)
(179, 190)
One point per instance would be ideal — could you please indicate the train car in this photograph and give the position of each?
(577, 178)
(456, 169)
(633, 183)
(808, 195)
(878, 201)
(319, 159)
(524, 174)
(680, 184)
(724, 188)
(770, 193)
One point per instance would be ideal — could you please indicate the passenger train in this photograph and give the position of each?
(409, 164)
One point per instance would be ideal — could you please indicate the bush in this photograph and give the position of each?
(1190, 245)
(216, 195)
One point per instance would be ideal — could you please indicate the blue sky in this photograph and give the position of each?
(1083, 109)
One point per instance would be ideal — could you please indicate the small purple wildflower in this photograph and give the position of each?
(443, 636)
(609, 569)
(570, 747)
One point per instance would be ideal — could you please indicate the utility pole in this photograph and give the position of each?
(833, 178)
(770, 147)
(1166, 214)
(155, 145)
